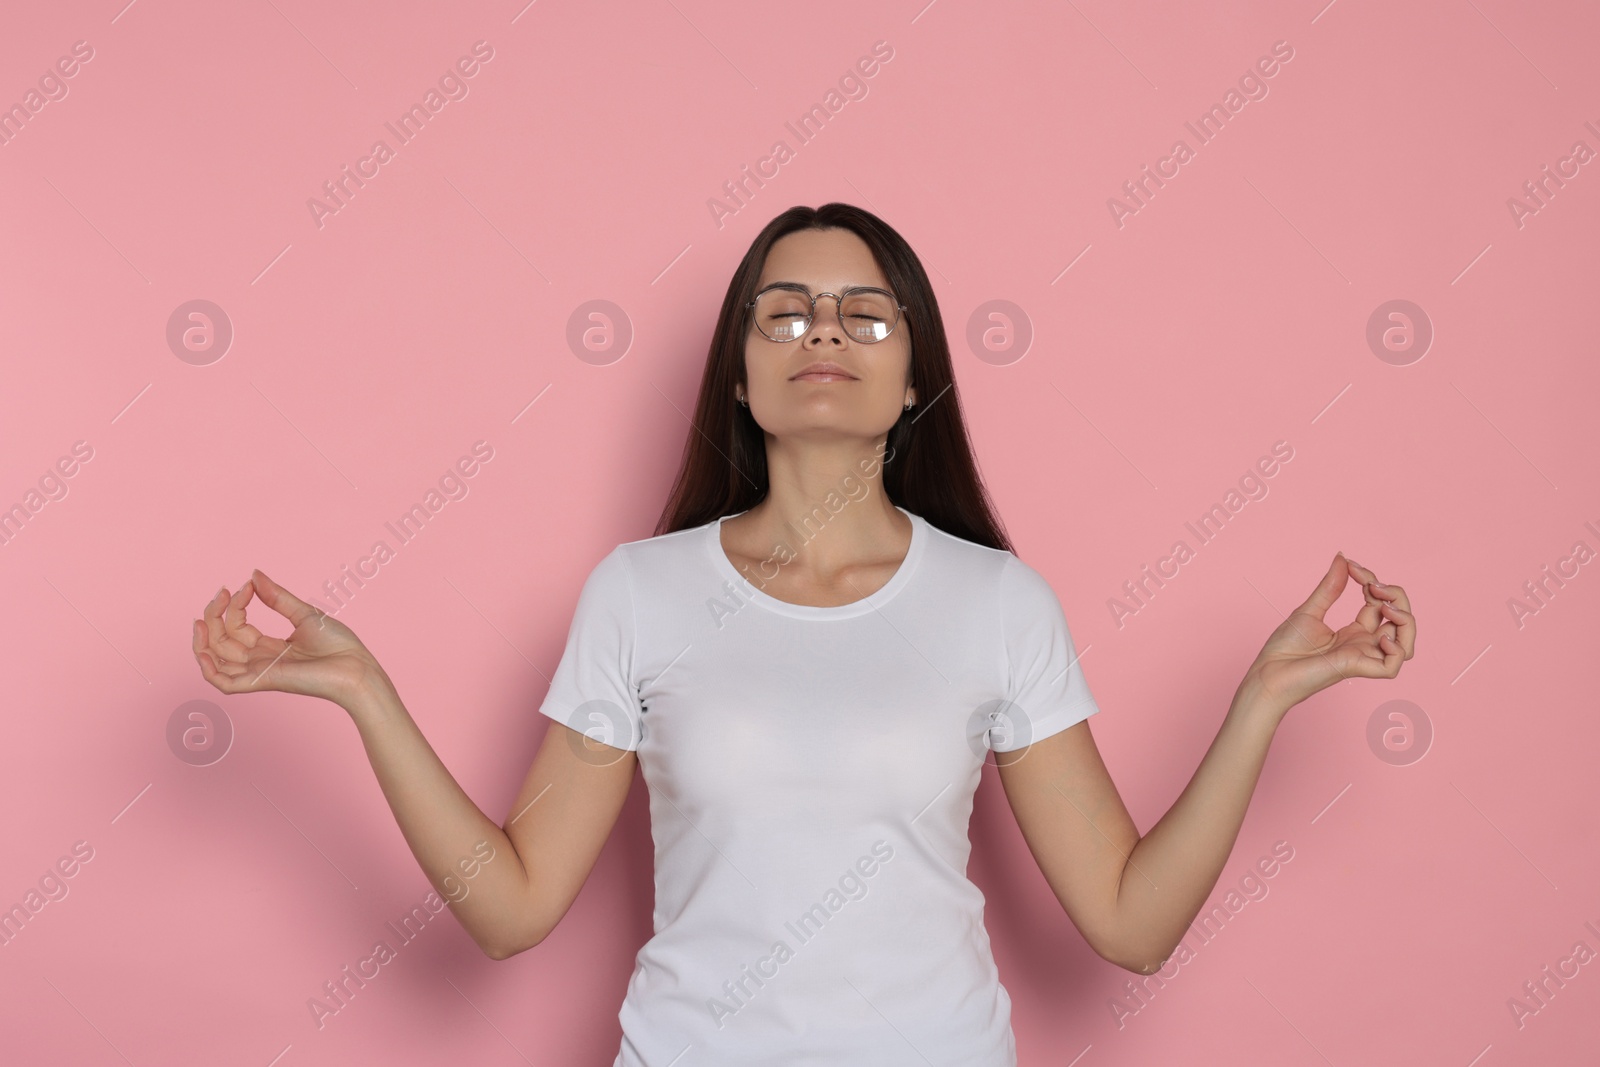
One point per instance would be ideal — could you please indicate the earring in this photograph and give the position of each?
(743, 402)
(908, 405)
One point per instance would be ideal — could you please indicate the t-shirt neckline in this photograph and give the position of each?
(748, 590)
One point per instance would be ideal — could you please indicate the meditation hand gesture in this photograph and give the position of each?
(321, 658)
(1303, 656)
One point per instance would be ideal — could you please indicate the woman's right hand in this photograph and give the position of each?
(322, 657)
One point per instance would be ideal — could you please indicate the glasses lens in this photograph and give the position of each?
(868, 315)
(783, 314)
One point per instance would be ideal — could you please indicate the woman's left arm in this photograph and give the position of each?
(1133, 897)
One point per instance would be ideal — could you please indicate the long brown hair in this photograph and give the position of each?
(928, 465)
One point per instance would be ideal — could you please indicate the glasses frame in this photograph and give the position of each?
(838, 311)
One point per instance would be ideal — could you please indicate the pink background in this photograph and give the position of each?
(369, 353)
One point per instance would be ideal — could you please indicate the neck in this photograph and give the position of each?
(827, 504)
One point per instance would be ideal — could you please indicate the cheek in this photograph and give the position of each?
(905, 360)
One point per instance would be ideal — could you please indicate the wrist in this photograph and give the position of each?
(372, 695)
(1254, 703)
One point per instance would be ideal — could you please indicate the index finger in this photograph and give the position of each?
(1405, 628)
(1396, 596)
(281, 600)
(233, 617)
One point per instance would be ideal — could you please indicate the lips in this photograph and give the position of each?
(823, 372)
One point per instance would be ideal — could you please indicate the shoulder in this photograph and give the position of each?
(946, 550)
(662, 553)
(1021, 581)
(657, 571)
(974, 575)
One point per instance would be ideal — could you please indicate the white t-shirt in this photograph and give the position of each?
(811, 772)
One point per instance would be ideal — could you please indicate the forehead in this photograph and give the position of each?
(822, 260)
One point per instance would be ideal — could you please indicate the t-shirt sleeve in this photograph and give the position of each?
(594, 691)
(1046, 687)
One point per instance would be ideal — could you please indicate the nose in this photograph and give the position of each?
(835, 320)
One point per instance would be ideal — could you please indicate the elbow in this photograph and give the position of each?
(1137, 955)
(499, 951)
(519, 928)
(504, 950)
(1142, 960)
(1103, 940)
(1143, 968)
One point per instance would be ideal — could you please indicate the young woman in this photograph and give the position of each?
(810, 662)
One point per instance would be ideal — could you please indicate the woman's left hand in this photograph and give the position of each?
(1303, 656)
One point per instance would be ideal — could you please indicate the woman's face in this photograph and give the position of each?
(867, 403)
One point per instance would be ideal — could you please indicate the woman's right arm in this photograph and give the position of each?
(508, 887)
(509, 893)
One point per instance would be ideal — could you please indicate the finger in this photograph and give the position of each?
(1393, 594)
(222, 644)
(1367, 579)
(222, 680)
(1385, 665)
(233, 617)
(1327, 590)
(1393, 655)
(197, 640)
(1376, 589)
(1405, 628)
(213, 613)
(214, 605)
(1370, 618)
(230, 670)
(202, 647)
(281, 600)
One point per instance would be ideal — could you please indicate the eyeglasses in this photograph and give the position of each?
(784, 312)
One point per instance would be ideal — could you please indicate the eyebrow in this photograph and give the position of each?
(807, 288)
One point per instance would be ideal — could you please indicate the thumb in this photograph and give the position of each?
(1327, 590)
(281, 600)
